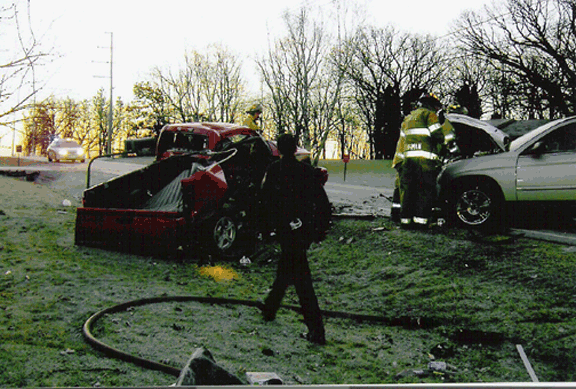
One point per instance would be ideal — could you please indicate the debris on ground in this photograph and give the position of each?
(201, 369)
(263, 378)
(433, 368)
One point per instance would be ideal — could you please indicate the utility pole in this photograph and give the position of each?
(108, 139)
(111, 112)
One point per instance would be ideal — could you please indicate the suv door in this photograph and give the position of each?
(546, 170)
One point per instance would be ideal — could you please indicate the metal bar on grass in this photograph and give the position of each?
(526, 363)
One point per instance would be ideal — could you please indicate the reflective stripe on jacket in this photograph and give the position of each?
(450, 138)
(399, 155)
(421, 136)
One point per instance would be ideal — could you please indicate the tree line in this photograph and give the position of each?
(347, 81)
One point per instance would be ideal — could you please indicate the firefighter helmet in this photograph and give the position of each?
(254, 108)
(431, 100)
(457, 108)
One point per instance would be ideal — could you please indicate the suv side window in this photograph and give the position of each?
(561, 140)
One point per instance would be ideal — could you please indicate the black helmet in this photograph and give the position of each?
(430, 100)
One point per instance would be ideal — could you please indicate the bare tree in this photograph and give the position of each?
(386, 65)
(223, 85)
(467, 81)
(176, 89)
(152, 106)
(272, 71)
(17, 73)
(40, 126)
(531, 42)
(68, 116)
(85, 128)
(303, 74)
(208, 87)
(99, 105)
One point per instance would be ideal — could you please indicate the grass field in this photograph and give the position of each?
(447, 296)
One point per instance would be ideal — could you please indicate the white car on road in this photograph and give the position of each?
(65, 149)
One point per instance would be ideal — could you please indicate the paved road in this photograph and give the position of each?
(70, 179)
(348, 196)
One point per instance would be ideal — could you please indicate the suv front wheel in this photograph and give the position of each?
(477, 205)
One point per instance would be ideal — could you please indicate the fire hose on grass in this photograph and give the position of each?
(406, 322)
(118, 354)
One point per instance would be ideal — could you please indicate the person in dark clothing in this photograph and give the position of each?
(293, 198)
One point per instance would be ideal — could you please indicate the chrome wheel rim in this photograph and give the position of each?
(224, 233)
(474, 207)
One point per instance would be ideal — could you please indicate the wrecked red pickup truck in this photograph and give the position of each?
(202, 202)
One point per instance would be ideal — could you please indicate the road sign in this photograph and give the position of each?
(345, 159)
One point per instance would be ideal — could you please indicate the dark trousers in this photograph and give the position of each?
(293, 269)
(396, 201)
(417, 191)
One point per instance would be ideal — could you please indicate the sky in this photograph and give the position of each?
(148, 34)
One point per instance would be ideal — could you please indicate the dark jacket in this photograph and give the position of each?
(291, 191)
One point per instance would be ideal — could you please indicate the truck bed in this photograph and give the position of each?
(142, 211)
(154, 187)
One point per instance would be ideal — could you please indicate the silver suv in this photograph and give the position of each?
(539, 168)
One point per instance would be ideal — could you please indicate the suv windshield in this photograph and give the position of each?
(66, 143)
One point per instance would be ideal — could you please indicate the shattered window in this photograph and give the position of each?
(182, 141)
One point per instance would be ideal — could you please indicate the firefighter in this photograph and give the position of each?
(293, 200)
(252, 116)
(427, 138)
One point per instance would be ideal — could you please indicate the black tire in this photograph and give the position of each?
(479, 206)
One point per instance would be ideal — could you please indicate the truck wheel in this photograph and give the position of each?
(223, 234)
(228, 238)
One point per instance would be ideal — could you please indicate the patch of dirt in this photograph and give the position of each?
(375, 206)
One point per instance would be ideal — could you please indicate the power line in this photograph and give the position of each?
(480, 23)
